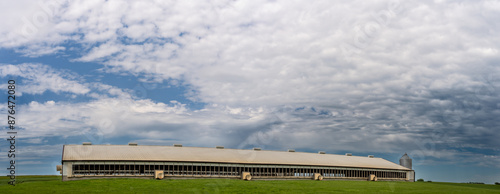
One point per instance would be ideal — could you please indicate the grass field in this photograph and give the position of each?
(53, 184)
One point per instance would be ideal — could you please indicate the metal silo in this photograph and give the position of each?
(405, 161)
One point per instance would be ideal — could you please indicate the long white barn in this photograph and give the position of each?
(106, 161)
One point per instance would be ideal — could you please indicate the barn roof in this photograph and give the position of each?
(199, 154)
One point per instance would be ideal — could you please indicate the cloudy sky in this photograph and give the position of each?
(365, 77)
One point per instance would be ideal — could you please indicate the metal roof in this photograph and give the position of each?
(198, 154)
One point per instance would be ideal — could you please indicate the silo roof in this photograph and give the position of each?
(405, 156)
(201, 154)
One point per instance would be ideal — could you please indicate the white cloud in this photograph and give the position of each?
(98, 53)
(40, 78)
(39, 50)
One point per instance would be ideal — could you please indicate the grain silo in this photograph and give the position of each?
(405, 161)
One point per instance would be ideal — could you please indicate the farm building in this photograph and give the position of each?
(108, 161)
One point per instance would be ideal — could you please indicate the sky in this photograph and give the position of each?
(379, 78)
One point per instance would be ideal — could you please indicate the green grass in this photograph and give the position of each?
(53, 184)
